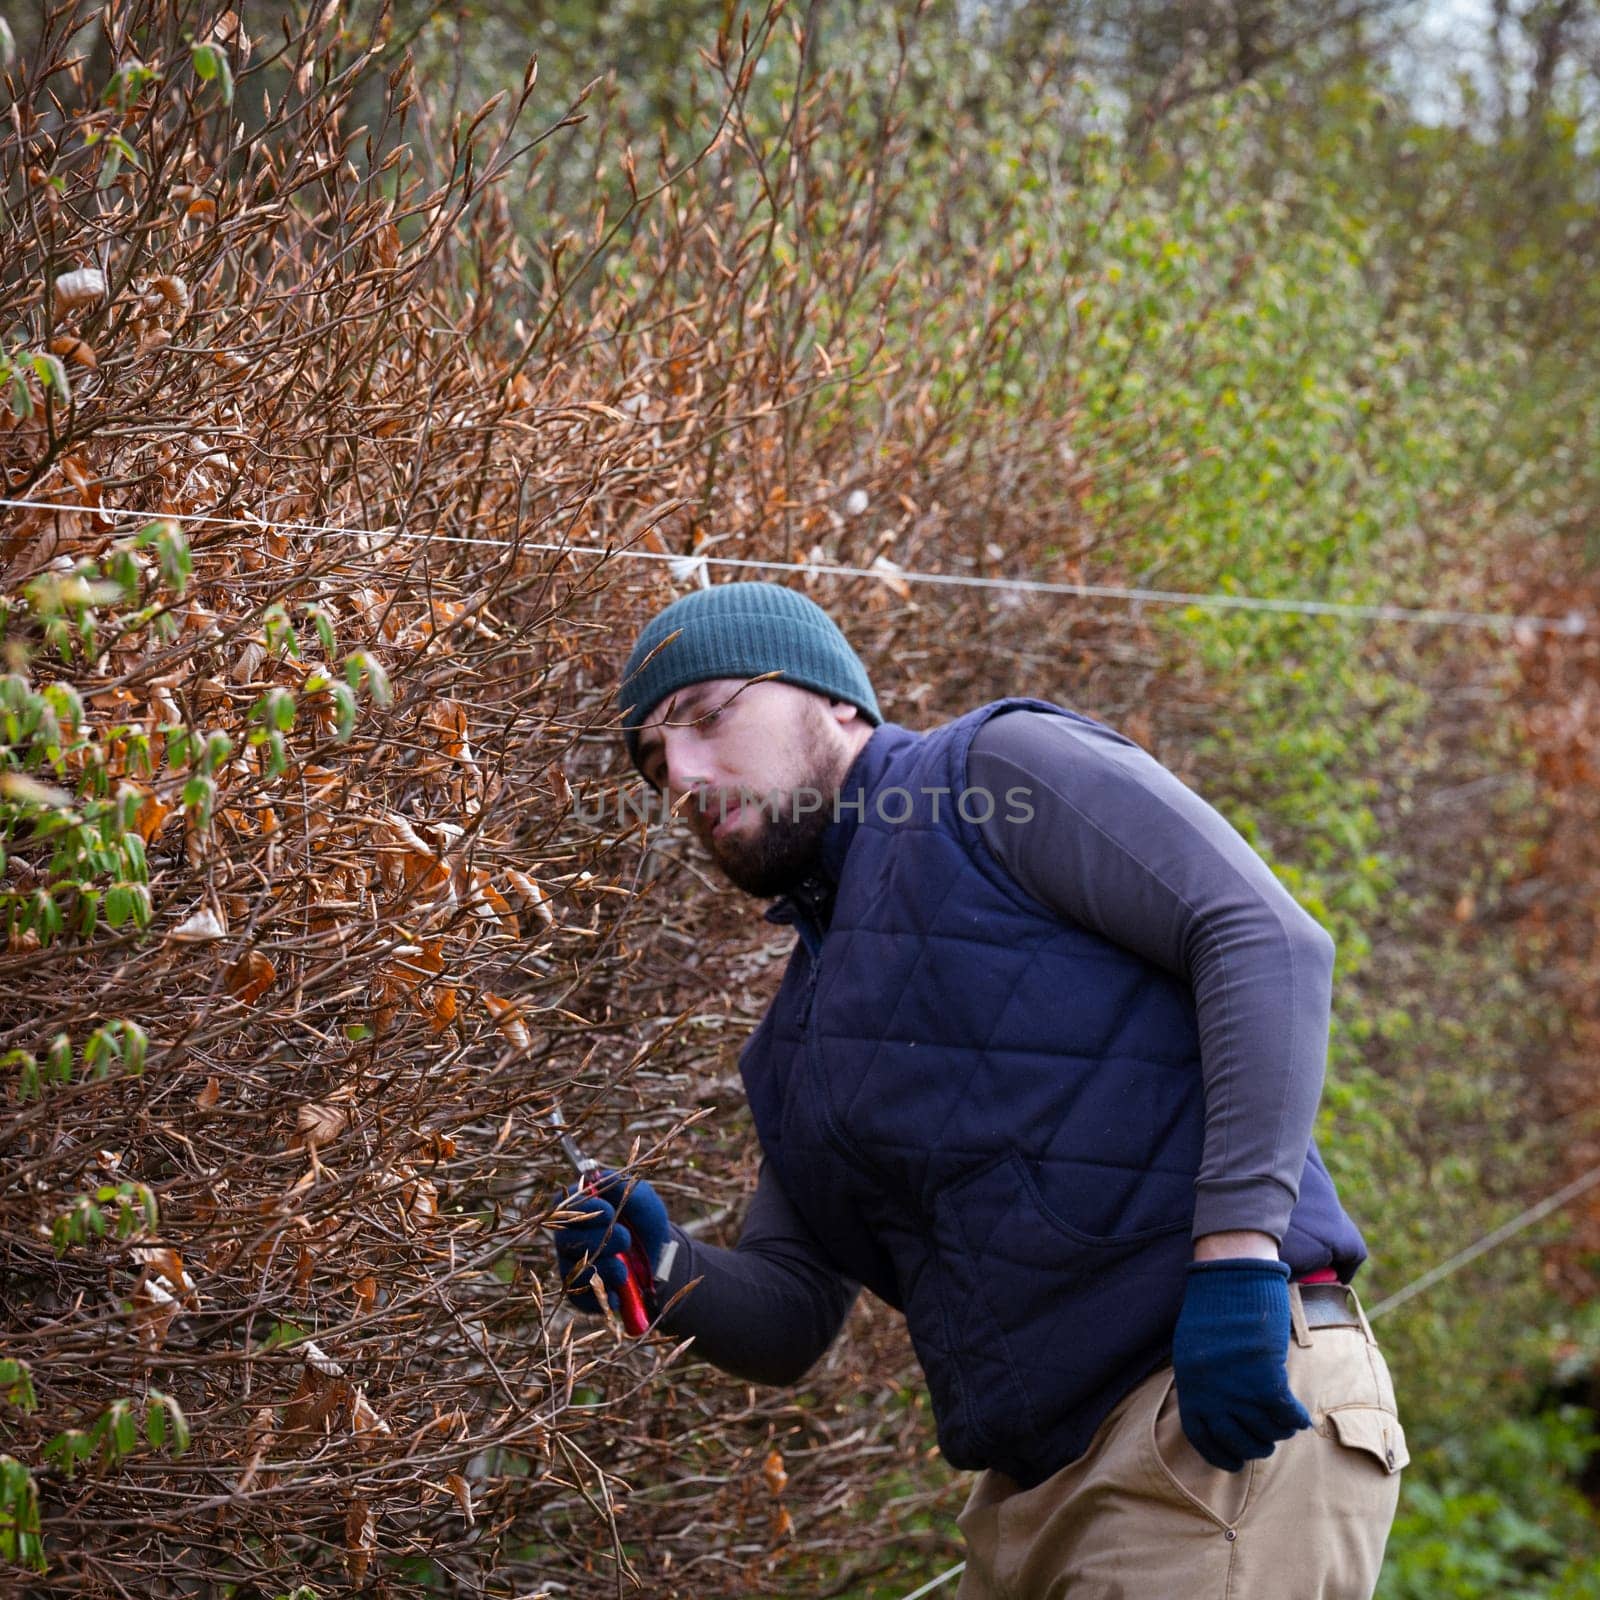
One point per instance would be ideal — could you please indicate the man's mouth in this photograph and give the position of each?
(722, 821)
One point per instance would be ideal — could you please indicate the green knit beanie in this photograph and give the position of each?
(740, 630)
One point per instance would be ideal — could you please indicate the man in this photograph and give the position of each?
(1041, 1073)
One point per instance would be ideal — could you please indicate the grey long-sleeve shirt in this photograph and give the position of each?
(1117, 844)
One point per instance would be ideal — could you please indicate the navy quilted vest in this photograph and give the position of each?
(989, 1115)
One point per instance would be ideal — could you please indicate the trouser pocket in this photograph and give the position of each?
(1185, 1477)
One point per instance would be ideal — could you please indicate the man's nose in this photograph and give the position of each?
(685, 773)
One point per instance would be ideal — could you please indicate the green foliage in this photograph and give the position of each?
(20, 1541)
(362, 668)
(56, 795)
(116, 1433)
(16, 1385)
(89, 1216)
(211, 66)
(1496, 1517)
(115, 1048)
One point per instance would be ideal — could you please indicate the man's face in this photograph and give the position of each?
(760, 764)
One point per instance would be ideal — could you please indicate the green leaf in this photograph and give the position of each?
(344, 698)
(16, 1383)
(177, 560)
(119, 906)
(52, 374)
(124, 1432)
(136, 1045)
(211, 64)
(59, 1061)
(26, 1067)
(174, 1414)
(20, 1541)
(219, 746)
(279, 630)
(199, 795)
(68, 1448)
(65, 702)
(99, 1051)
(127, 83)
(324, 629)
(362, 664)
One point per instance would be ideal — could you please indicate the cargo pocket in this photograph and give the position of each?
(1373, 1431)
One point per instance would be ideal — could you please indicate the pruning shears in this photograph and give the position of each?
(637, 1277)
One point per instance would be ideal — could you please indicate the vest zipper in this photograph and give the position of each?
(807, 993)
(811, 935)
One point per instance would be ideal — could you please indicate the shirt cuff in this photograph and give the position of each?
(1255, 1205)
(675, 1267)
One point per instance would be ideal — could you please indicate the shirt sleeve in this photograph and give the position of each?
(767, 1309)
(1120, 845)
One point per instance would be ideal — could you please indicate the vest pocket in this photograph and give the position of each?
(1049, 1319)
(1107, 1209)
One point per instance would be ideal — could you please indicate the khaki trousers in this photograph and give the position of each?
(1142, 1516)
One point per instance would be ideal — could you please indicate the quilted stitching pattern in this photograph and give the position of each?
(992, 1118)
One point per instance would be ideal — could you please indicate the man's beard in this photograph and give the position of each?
(780, 851)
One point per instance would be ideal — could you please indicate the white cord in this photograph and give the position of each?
(1574, 623)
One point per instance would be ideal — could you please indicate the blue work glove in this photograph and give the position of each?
(1228, 1354)
(606, 1232)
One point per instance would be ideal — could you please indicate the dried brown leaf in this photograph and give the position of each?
(360, 1537)
(363, 1419)
(250, 977)
(462, 1490)
(444, 1007)
(317, 1124)
(71, 348)
(507, 1016)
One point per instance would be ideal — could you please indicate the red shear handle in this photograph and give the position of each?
(635, 1272)
(636, 1279)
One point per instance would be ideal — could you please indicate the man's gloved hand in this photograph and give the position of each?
(1228, 1359)
(619, 1213)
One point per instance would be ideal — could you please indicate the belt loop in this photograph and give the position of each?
(1297, 1318)
(1360, 1310)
